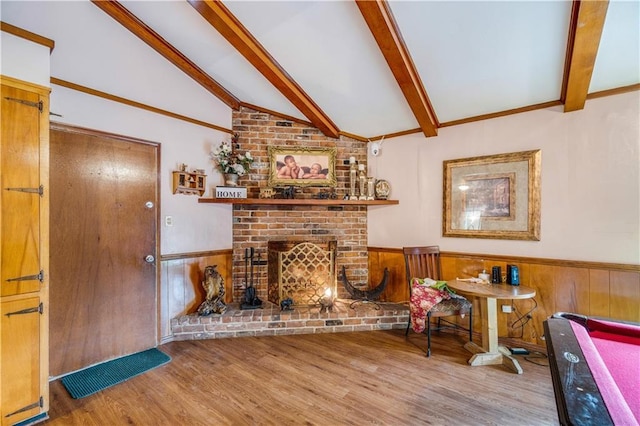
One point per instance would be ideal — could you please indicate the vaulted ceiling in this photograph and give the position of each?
(365, 69)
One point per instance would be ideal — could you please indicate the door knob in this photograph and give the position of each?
(149, 258)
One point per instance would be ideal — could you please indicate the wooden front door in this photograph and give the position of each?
(104, 200)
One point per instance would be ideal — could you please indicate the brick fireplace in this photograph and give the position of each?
(254, 226)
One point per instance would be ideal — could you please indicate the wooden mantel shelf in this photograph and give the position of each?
(297, 202)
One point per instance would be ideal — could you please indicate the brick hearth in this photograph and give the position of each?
(271, 321)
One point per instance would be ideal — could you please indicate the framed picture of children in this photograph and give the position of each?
(302, 166)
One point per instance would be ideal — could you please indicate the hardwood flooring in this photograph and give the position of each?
(360, 378)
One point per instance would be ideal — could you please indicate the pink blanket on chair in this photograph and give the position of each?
(423, 298)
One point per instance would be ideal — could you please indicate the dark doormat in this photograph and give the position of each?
(94, 379)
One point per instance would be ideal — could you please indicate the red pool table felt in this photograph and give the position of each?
(595, 366)
(613, 348)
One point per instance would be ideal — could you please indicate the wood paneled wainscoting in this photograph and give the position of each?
(588, 288)
(181, 289)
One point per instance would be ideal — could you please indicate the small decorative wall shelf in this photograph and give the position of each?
(189, 183)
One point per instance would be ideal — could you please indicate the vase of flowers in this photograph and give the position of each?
(232, 163)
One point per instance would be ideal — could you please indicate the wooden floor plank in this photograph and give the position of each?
(374, 377)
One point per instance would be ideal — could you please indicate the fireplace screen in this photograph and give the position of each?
(301, 271)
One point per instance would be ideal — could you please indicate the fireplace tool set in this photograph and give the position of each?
(251, 300)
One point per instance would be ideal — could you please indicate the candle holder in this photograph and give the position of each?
(353, 178)
(326, 301)
(371, 188)
(362, 182)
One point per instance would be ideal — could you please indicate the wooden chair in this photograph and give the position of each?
(424, 262)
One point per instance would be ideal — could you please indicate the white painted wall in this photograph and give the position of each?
(590, 171)
(590, 177)
(196, 227)
(590, 182)
(24, 59)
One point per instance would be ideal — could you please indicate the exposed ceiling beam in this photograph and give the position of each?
(160, 45)
(231, 29)
(383, 26)
(585, 31)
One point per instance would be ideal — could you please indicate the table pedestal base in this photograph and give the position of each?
(482, 357)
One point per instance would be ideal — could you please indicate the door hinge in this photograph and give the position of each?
(39, 190)
(39, 276)
(38, 104)
(39, 309)
(39, 403)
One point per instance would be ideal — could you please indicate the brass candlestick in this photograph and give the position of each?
(362, 180)
(353, 177)
(371, 188)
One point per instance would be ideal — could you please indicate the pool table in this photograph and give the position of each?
(595, 369)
